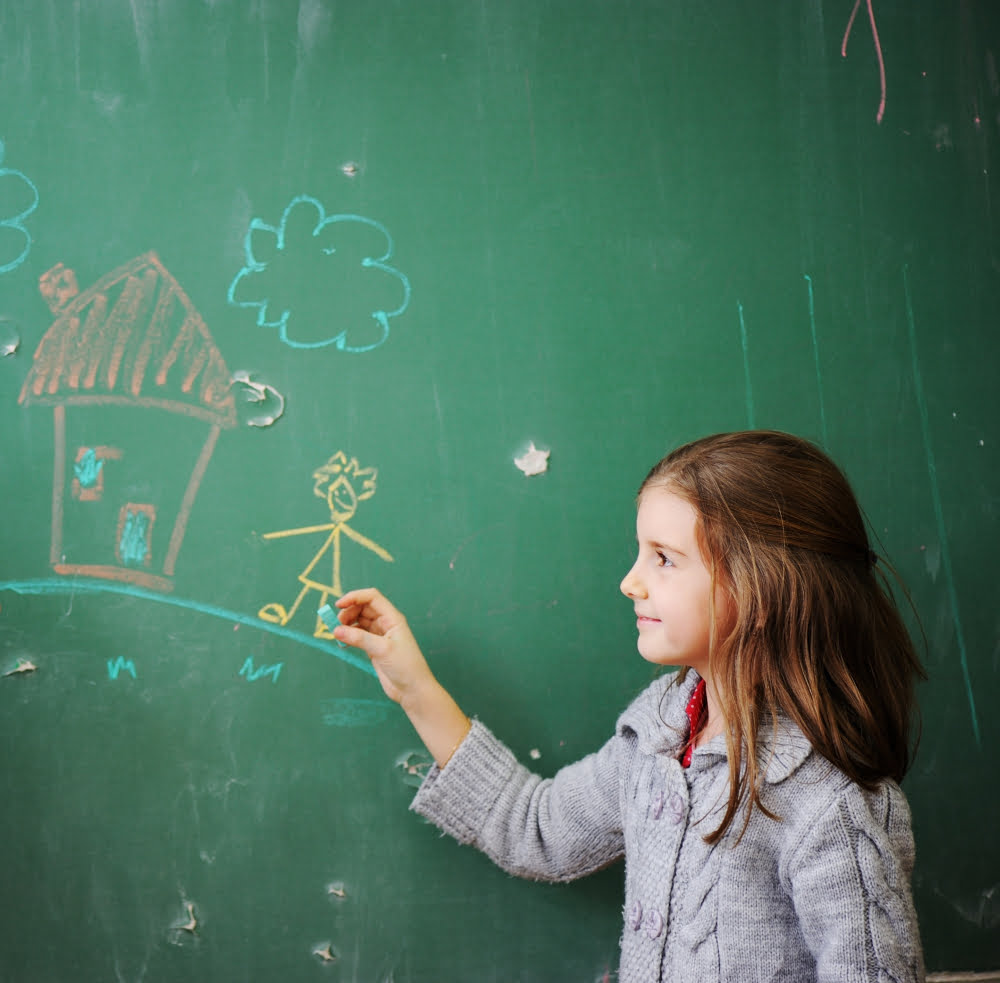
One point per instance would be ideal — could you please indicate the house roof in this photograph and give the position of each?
(133, 338)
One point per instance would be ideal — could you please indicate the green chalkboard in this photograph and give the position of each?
(286, 292)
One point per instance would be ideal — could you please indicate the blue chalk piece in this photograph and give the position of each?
(328, 616)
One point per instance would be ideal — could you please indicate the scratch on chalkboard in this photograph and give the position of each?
(816, 362)
(347, 712)
(925, 429)
(983, 910)
(138, 978)
(746, 367)
(878, 51)
(531, 124)
(141, 38)
(465, 542)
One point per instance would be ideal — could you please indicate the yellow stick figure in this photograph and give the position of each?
(343, 483)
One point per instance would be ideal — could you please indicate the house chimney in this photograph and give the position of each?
(58, 287)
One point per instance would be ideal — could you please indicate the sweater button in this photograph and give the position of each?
(635, 916)
(658, 805)
(654, 924)
(675, 805)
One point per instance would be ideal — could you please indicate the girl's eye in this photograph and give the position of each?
(663, 560)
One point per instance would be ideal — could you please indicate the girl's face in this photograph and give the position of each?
(670, 584)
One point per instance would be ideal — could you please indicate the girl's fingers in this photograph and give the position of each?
(368, 608)
(347, 616)
(362, 597)
(364, 618)
(359, 638)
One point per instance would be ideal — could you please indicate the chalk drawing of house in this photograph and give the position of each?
(140, 395)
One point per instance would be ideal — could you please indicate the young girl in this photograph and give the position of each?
(754, 794)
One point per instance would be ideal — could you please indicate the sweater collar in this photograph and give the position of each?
(656, 716)
(782, 749)
(657, 719)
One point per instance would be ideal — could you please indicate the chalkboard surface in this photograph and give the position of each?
(295, 296)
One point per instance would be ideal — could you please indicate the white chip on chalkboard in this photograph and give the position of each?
(533, 460)
(325, 952)
(23, 665)
(10, 340)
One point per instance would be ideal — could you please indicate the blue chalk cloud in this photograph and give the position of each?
(321, 279)
(18, 199)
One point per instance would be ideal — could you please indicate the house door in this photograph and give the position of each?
(134, 536)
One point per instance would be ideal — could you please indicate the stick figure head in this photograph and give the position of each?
(343, 483)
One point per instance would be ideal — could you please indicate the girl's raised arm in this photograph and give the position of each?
(368, 621)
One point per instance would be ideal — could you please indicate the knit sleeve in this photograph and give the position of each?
(850, 885)
(553, 829)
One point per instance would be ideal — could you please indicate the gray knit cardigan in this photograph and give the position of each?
(822, 895)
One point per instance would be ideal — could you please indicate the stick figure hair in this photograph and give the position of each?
(340, 464)
(812, 632)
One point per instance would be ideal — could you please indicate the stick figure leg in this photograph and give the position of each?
(321, 630)
(295, 605)
(274, 613)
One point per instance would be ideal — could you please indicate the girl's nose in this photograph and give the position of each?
(631, 586)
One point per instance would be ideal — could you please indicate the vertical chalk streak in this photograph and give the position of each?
(819, 374)
(938, 510)
(746, 367)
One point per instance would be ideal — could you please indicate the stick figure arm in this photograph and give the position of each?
(282, 533)
(367, 543)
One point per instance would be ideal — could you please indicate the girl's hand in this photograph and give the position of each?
(369, 622)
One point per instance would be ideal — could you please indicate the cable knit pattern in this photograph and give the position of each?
(823, 895)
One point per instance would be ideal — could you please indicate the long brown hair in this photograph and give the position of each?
(816, 634)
